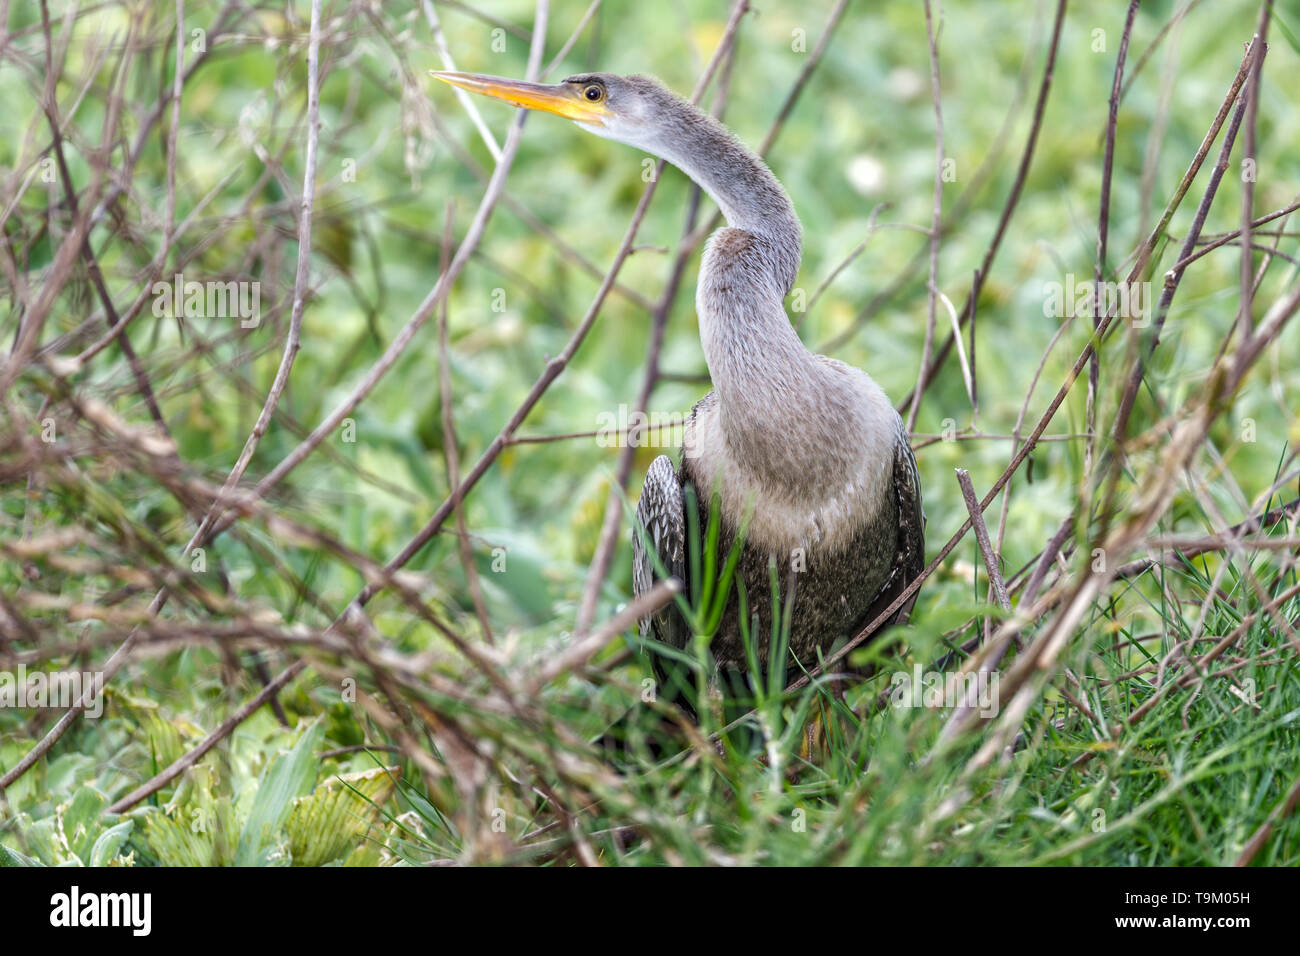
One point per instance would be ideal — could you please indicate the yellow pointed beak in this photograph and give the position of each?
(560, 99)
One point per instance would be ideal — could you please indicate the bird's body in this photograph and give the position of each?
(804, 450)
(851, 551)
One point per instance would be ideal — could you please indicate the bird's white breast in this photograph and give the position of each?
(793, 511)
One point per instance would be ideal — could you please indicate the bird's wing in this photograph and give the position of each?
(662, 515)
(909, 558)
(911, 521)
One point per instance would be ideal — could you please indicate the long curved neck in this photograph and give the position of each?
(750, 197)
(784, 413)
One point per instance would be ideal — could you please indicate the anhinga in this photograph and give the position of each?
(807, 448)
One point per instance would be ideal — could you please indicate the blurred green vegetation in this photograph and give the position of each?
(396, 151)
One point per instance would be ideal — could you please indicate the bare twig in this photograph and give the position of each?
(1013, 198)
(936, 217)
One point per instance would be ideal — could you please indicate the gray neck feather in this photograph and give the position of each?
(785, 413)
(750, 197)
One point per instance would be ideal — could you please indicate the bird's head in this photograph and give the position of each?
(630, 109)
(643, 113)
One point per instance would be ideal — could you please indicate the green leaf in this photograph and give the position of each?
(1286, 31)
(81, 820)
(110, 843)
(329, 824)
(286, 777)
(10, 857)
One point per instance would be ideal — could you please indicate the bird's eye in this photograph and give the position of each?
(594, 94)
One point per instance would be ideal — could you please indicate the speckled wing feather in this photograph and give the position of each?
(909, 559)
(661, 513)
